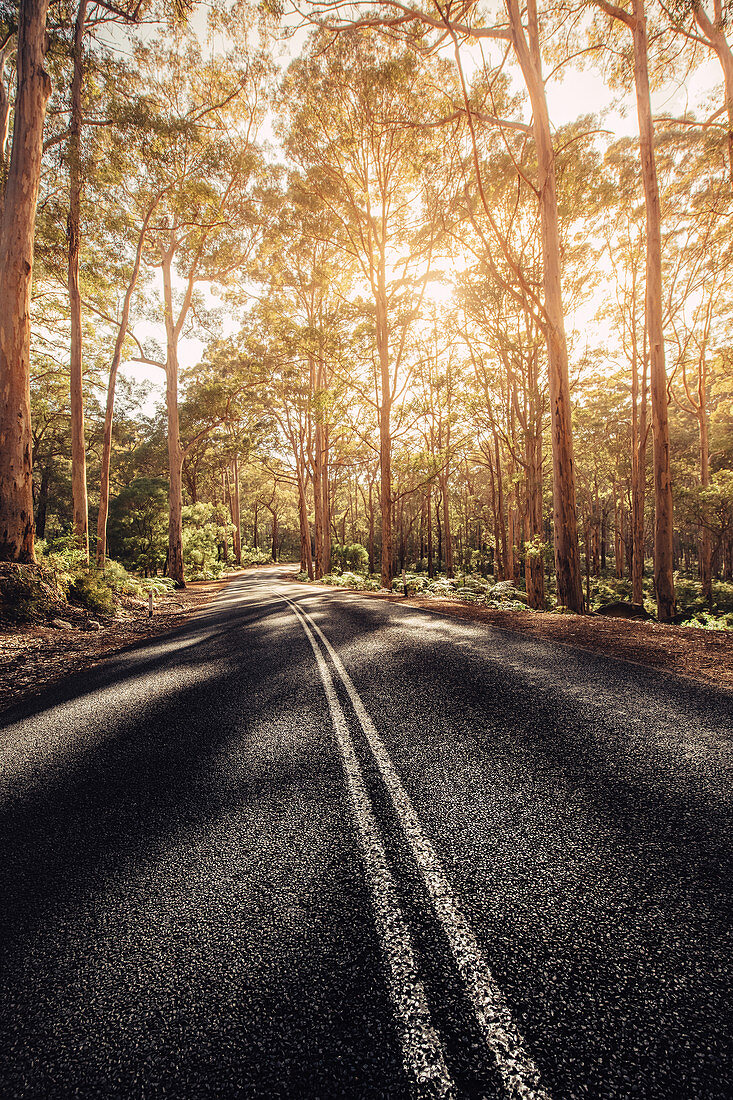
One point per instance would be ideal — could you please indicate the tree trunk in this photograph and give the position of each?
(73, 230)
(706, 550)
(429, 520)
(226, 525)
(110, 408)
(534, 572)
(175, 450)
(326, 498)
(42, 507)
(236, 512)
(318, 531)
(503, 549)
(306, 557)
(385, 441)
(447, 533)
(274, 537)
(663, 518)
(716, 37)
(567, 553)
(638, 478)
(16, 268)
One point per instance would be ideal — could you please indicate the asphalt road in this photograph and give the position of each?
(315, 845)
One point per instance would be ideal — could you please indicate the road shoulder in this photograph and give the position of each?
(703, 656)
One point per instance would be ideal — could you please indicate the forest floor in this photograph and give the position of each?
(705, 656)
(33, 657)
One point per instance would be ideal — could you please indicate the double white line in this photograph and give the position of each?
(422, 1047)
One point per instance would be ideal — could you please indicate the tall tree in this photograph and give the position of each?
(636, 22)
(16, 270)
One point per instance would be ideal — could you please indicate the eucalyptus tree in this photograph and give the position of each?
(354, 116)
(303, 267)
(516, 33)
(17, 226)
(211, 212)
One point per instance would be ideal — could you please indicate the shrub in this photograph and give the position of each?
(352, 557)
(90, 590)
(25, 593)
(414, 582)
(250, 556)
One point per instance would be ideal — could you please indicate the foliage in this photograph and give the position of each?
(352, 557)
(250, 556)
(25, 593)
(138, 524)
(91, 590)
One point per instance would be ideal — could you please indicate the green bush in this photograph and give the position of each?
(351, 557)
(90, 590)
(250, 556)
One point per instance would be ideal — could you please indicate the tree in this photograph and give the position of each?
(16, 269)
(352, 132)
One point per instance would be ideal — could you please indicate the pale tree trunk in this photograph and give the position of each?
(4, 113)
(638, 486)
(638, 465)
(385, 439)
(175, 449)
(706, 550)
(73, 229)
(502, 547)
(326, 502)
(226, 526)
(663, 518)
(713, 31)
(567, 553)
(447, 531)
(429, 522)
(109, 410)
(306, 556)
(236, 512)
(274, 536)
(318, 565)
(534, 571)
(16, 267)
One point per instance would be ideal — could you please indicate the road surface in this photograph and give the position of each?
(315, 845)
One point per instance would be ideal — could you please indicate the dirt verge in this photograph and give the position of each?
(705, 656)
(33, 657)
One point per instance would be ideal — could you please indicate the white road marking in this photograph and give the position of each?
(422, 1049)
(515, 1064)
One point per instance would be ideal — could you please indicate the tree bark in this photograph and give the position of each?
(175, 449)
(534, 571)
(110, 407)
(567, 553)
(16, 267)
(73, 232)
(385, 437)
(306, 556)
(663, 517)
(447, 532)
(706, 549)
(236, 512)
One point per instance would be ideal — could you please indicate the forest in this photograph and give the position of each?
(331, 284)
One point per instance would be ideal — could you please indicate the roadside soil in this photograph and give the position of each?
(35, 656)
(705, 656)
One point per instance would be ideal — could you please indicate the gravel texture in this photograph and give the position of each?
(186, 912)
